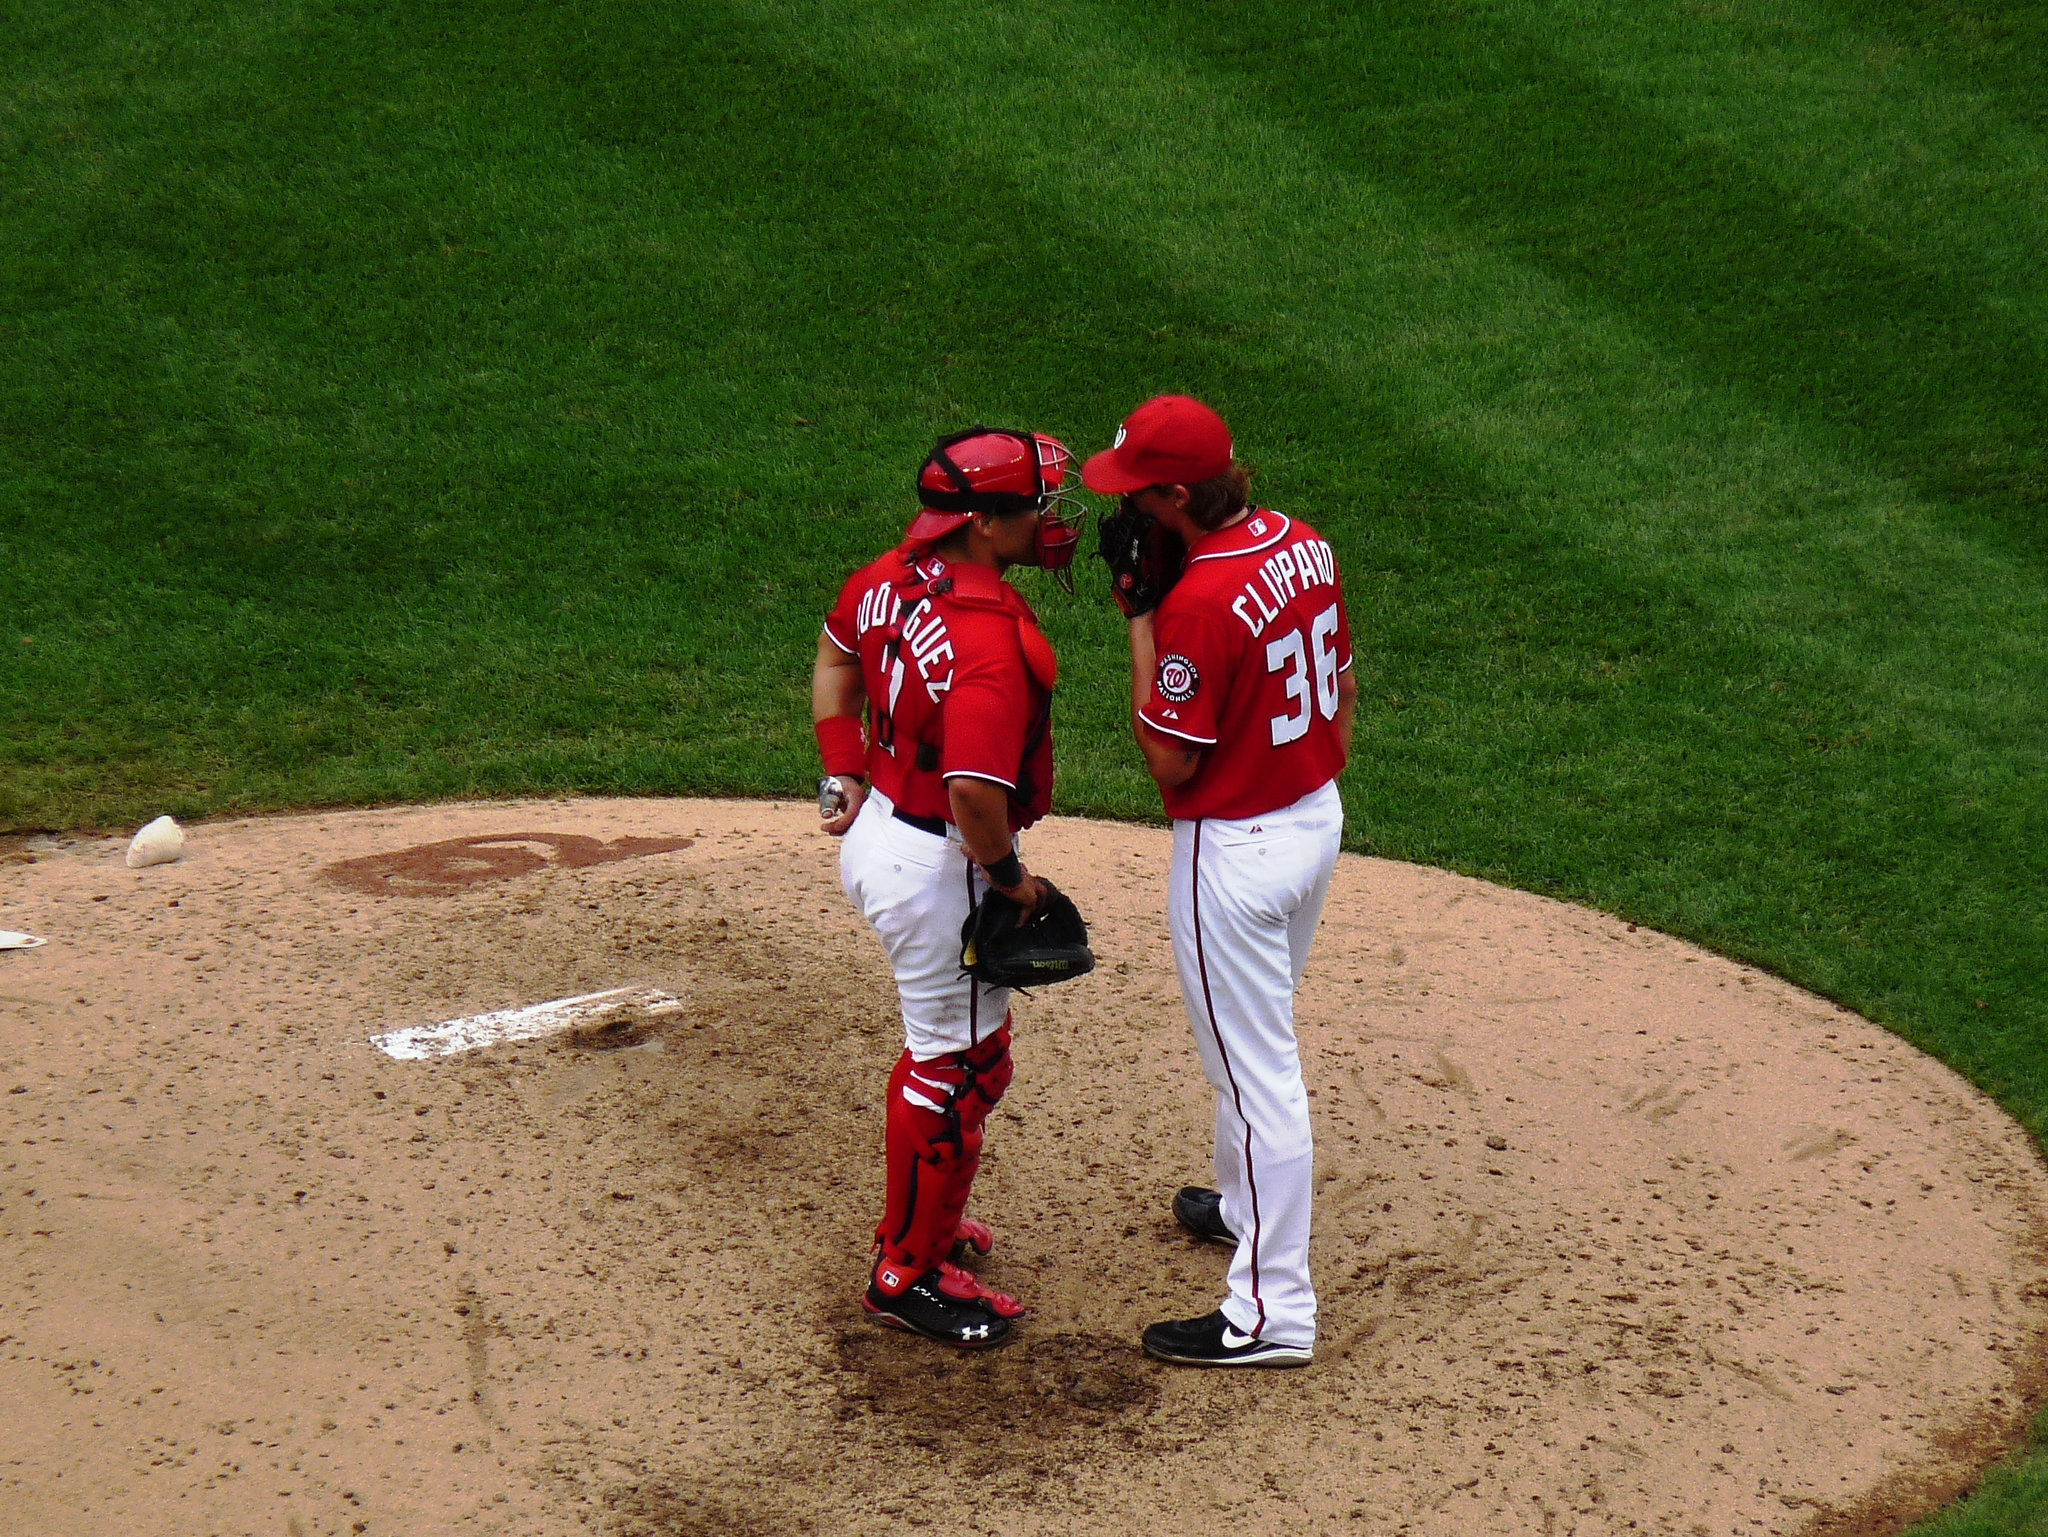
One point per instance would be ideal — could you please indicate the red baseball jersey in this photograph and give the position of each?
(1251, 642)
(959, 681)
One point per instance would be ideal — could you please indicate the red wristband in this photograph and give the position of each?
(841, 746)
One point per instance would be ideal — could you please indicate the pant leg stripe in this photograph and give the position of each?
(1236, 1099)
(973, 986)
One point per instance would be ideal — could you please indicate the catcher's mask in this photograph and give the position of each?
(1001, 472)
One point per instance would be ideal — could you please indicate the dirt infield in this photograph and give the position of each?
(1612, 1235)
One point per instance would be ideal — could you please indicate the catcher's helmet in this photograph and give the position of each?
(1000, 472)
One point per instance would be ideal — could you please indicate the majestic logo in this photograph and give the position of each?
(1178, 679)
(1121, 434)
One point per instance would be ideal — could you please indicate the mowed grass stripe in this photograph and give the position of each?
(1477, 115)
(580, 425)
(1689, 639)
(1930, 141)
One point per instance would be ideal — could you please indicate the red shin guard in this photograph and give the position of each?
(936, 1113)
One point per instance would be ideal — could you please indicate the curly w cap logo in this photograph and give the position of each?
(1178, 679)
(1121, 434)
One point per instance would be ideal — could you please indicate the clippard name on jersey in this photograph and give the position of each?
(1288, 571)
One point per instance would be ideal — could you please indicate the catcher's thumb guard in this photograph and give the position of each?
(1050, 945)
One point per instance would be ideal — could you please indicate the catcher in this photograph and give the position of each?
(955, 679)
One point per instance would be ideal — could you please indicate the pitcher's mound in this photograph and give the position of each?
(1611, 1234)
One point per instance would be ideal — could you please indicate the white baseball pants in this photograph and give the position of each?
(1243, 906)
(913, 887)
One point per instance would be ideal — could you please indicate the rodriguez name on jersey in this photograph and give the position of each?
(922, 639)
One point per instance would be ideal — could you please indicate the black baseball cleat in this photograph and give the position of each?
(1201, 1213)
(951, 1315)
(1214, 1341)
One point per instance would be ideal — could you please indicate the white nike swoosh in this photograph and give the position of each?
(1232, 1340)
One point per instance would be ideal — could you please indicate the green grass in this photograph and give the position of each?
(441, 399)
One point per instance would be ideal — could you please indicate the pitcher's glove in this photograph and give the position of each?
(1144, 559)
(1050, 946)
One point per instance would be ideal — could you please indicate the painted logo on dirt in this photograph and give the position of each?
(456, 864)
(1178, 679)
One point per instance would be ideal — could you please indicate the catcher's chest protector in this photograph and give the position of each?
(963, 626)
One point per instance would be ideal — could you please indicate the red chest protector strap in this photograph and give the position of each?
(912, 589)
(911, 594)
(1045, 667)
(1038, 658)
(1038, 654)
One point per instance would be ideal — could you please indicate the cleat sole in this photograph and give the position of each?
(999, 1331)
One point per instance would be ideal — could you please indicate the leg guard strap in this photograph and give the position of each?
(937, 1111)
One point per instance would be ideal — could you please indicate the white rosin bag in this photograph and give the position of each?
(160, 843)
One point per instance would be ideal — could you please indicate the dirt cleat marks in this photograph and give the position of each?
(1811, 1144)
(1658, 1103)
(1049, 1387)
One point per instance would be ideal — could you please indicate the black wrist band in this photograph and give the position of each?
(1006, 873)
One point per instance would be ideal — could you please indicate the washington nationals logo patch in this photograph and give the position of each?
(1178, 679)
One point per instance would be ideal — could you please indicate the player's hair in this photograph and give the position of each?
(1213, 503)
(953, 542)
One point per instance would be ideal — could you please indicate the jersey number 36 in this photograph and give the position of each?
(1288, 655)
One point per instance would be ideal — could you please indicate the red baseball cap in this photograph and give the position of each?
(1171, 440)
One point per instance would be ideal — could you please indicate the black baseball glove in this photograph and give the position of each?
(1050, 946)
(1144, 559)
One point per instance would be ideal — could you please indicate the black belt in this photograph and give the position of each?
(933, 825)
